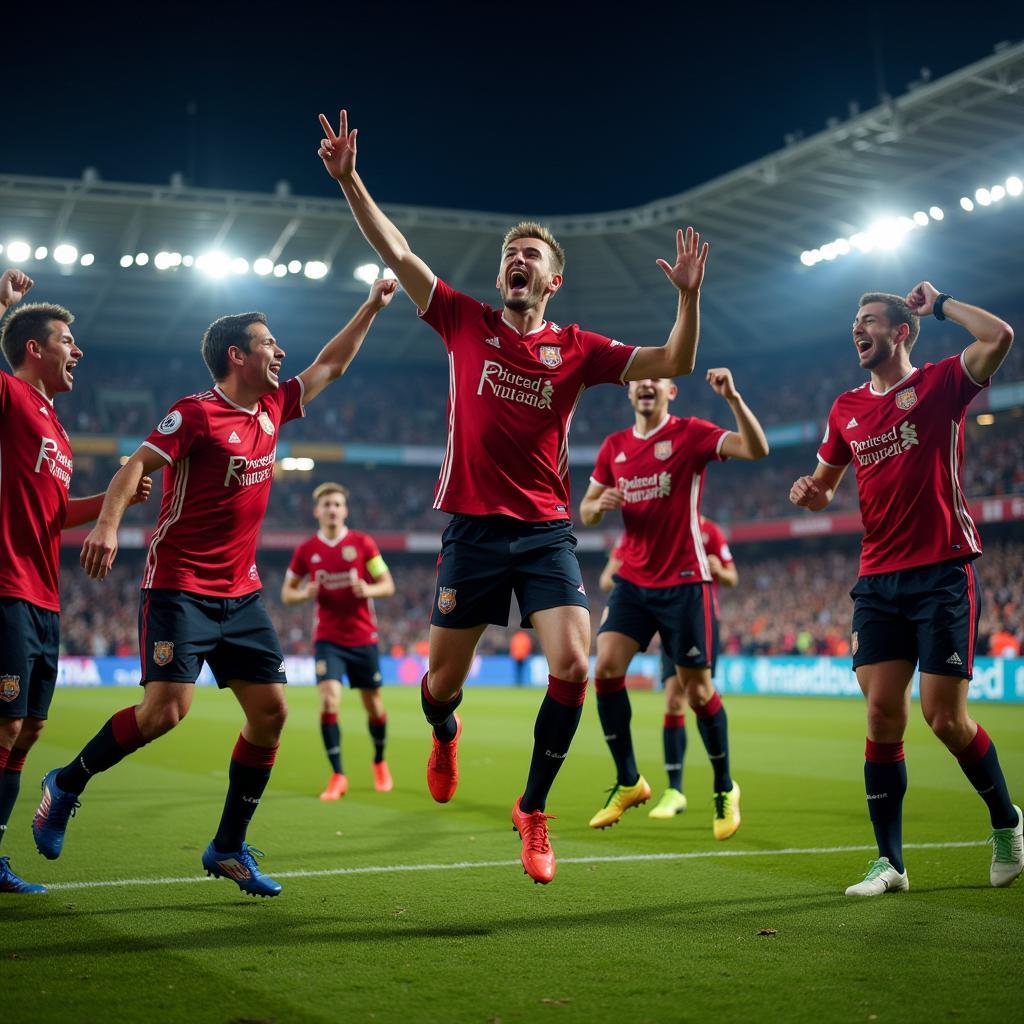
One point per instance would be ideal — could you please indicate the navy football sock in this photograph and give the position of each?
(10, 785)
(980, 764)
(615, 712)
(248, 775)
(440, 714)
(673, 738)
(885, 781)
(557, 719)
(119, 737)
(379, 734)
(713, 727)
(330, 730)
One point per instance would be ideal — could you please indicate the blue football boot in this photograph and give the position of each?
(10, 882)
(51, 817)
(240, 867)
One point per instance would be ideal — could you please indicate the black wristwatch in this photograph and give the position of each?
(937, 308)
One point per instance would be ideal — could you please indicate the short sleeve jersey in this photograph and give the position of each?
(35, 476)
(907, 447)
(216, 486)
(661, 476)
(339, 616)
(511, 400)
(715, 544)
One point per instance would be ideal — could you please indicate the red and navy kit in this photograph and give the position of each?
(907, 447)
(35, 476)
(661, 476)
(339, 616)
(216, 486)
(511, 400)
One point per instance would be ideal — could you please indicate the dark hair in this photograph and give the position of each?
(30, 323)
(898, 312)
(222, 334)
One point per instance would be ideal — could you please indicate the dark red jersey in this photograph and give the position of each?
(216, 486)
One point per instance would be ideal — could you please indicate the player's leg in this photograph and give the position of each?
(329, 670)
(673, 739)
(17, 737)
(377, 723)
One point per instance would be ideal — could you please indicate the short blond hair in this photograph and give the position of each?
(531, 229)
(329, 488)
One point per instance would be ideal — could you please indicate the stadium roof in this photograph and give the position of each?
(939, 142)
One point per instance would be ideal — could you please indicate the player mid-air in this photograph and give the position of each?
(514, 382)
(917, 601)
(654, 473)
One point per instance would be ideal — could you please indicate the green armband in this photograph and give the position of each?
(376, 566)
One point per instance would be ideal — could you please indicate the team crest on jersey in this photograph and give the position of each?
(348, 552)
(10, 687)
(264, 421)
(906, 399)
(170, 423)
(163, 652)
(854, 642)
(445, 599)
(662, 449)
(550, 355)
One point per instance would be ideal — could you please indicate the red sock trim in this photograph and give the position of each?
(675, 721)
(16, 761)
(976, 749)
(431, 699)
(378, 721)
(328, 718)
(883, 753)
(571, 695)
(610, 685)
(252, 756)
(710, 709)
(4, 755)
(127, 734)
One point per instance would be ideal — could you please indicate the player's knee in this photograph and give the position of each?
(160, 720)
(885, 724)
(271, 718)
(31, 730)
(675, 703)
(573, 668)
(946, 725)
(10, 730)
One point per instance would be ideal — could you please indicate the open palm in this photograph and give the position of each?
(338, 149)
(688, 271)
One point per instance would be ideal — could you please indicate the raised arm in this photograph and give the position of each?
(677, 357)
(816, 492)
(748, 441)
(100, 547)
(14, 286)
(993, 337)
(338, 152)
(335, 356)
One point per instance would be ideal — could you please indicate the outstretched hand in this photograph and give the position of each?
(338, 149)
(382, 291)
(922, 298)
(720, 379)
(14, 286)
(688, 271)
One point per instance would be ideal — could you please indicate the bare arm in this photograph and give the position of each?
(612, 566)
(727, 575)
(338, 152)
(382, 586)
(338, 353)
(296, 590)
(816, 492)
(677, 357)
(598, 500)
(85, 510)
(993, 337)
(748, 441)
(100, 547)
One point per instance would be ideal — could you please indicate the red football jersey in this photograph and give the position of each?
(907, 444)
(216, 487)
(35, 474)
(511, 401)
(661, 475)
(339, 616)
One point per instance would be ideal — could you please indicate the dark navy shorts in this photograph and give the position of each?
(668, 668)
(361, 665)
(29, 644)
(485, 558)
(179, 630)
(684, 615)
(928, 616)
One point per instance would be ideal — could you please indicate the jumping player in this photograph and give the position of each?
(201, 597)
(342, 571)
(36, 457)
(917, 601)
(515, 379)
(654, 473)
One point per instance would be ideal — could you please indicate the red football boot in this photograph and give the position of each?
(443, 766)
(537, 856)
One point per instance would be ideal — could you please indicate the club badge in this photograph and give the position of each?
(550, 355)
(445, 599)
(264, 421)
(10, 687)
(662, 450)
(906, 399)
(163, 652)
(348, 552)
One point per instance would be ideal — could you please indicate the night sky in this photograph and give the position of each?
(514, 107)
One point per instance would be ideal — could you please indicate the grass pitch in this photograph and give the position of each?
(397, 909)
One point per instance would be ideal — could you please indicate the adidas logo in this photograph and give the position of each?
(493, 342)
(234, 438)
(693, 652)
(582, 589)
(621, 457)
(316, 558)
(42, 409)
(280, 668)
(853, 423)
(954, 659)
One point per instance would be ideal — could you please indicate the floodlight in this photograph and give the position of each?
(127, 261)
(88, 260)
(280, 270)
(389, 274)
(303, 465)
(1014, 186)
(215, 263)
(18, 252)
(887, 233)
(997, 192)
(315, 269)
(983, 196)
(141, 259)
(985, 419)
(65, 255)
(862, 241)
(807, 258)
(163, 260)
(263, 266)
(41, 252)
(239, 265)
(842, 246)
(966, 204)
(294, 266)
(187, 261)
(366, 272)
(921, 219)
(935, 212)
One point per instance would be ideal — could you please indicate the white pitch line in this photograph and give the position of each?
(469, 865)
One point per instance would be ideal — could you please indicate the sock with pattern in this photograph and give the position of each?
(979, 762)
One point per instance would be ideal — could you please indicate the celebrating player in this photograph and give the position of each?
(654, 473)
(515, 380)
(201, 597)
(917, 600)
(342, 571)
(34, 507)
